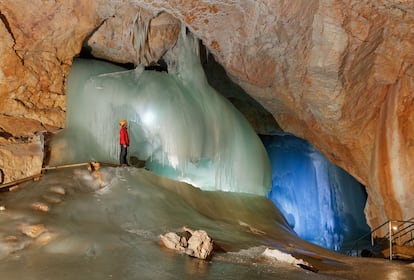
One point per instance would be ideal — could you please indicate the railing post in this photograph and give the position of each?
(357, 250)
(399, 238)
(390, 237)
(372, 240)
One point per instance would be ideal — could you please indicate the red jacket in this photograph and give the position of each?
(123, 136)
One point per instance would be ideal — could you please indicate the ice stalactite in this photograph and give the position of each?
(139, 37)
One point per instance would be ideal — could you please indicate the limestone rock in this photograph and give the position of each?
(39, 41)
(45, 238)
(57, 190)
(40, 206)
(10, 238)
(32, 231)
(143, 38)
(19, 126)
(173, 241)
(198, 245)
(21, 157)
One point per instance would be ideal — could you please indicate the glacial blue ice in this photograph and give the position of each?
(177, 123)
(322, 203)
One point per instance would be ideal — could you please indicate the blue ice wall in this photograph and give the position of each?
(177, 123)
(322, 203)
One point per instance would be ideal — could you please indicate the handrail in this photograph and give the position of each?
(364, 236)
(401, 232)
(397, 234)
(404, 231)
(6, 186)
(393, 233)
(411, 237)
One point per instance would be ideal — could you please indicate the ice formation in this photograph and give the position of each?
(185, 130)
(284, 257)
(177, 123)
(322, 203)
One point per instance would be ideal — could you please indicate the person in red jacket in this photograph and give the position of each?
(124, 142)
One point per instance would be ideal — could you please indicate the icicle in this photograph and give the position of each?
(139, 37)
(171, 59)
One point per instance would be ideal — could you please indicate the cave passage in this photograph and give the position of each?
(322, 202)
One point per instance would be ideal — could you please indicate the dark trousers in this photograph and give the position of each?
(123, 155)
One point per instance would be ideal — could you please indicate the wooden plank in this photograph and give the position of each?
(64, 166)
(11, 184)
(78, 164)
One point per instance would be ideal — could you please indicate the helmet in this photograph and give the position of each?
(122, 122)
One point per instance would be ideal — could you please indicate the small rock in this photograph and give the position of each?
(45, 238)
(198, 245)
(10, 238)
(52, 199)
(32, 231)
(94, 166)
(40, 206)
(173, 241)
(58, 190)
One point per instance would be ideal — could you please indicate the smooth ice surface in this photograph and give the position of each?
(112, 232)
(322, 203)
(180, 125)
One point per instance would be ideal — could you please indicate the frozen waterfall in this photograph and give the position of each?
(322, 203)
(177, 123)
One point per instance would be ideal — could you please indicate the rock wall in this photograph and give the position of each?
(337, 73)
(21, 157)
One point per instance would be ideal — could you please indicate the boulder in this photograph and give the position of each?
(198, 245)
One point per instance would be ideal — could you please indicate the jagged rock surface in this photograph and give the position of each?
(21, 157)
(337, 73)
(198, 244)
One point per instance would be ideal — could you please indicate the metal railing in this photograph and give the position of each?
(397, 233)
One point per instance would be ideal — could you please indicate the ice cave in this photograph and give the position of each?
(185, 130)
(274, 205)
